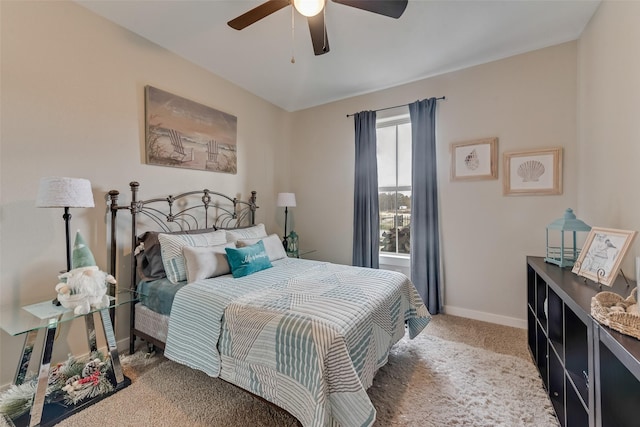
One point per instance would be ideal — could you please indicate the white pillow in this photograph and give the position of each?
(272, 245)
(203, 262)
(246, 233)
(171, 248)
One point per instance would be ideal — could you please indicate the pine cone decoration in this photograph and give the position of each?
(91, 367)
(72, 379)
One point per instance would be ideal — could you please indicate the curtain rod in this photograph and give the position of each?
(397, 106)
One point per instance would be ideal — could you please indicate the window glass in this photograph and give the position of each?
(394, 184)
(404, 155)
(386, 149)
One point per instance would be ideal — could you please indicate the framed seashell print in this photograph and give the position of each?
(533, 172)
(474, 160)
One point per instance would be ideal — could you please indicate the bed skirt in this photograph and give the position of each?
(151, 323)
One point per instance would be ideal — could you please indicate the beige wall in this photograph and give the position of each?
(527, 101)
(609, 121)
(73, 105)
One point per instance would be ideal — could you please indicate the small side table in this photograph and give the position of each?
(46, 317)
(302, 254)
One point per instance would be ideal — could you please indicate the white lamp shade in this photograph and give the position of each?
(286, 199)
(57, 192)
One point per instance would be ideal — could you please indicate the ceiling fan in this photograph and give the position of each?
(313, 10)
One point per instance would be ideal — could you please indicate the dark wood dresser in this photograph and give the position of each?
(591, 372)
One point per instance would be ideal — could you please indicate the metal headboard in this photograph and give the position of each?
(186, 211)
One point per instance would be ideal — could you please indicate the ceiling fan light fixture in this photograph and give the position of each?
(309, 8)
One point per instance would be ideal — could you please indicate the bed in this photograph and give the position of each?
(307, 336)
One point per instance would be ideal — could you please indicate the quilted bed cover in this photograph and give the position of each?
(307, 336)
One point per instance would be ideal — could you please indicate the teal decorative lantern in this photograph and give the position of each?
(292, 245)
(565, 255)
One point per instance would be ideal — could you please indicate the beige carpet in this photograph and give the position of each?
(458, 372)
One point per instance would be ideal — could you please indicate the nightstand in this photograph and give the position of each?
(43, 319)
(300, 254)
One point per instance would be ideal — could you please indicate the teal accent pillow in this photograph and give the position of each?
(247, 260)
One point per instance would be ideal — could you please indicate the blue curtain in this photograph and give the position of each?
(425, 230)
(366, 221)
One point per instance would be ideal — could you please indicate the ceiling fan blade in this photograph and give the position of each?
(390, 8)
(257, 13)
(318, 32)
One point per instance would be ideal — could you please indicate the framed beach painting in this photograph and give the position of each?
(474, 160)
(602, 254)
(185, 134)
(533, 172)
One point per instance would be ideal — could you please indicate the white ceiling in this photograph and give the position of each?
(368, 51)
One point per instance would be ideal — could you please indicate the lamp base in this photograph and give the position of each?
(284, 240)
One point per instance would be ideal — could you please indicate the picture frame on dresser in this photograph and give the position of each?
(533, 172)
(602, 253)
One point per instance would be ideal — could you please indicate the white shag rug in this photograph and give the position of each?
(432, 382)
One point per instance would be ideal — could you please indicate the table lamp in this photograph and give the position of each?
(286, 200)
(59, 192)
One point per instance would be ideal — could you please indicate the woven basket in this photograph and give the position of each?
(609, 309)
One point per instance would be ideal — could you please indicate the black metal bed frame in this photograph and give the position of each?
(191, 210)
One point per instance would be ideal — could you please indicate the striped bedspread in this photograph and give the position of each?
(305, 335)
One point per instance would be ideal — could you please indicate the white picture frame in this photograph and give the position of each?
(602, 254)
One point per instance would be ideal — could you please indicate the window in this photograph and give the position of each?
(394, 184)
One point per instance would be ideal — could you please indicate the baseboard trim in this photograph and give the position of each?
(123, 346)
(485, 317)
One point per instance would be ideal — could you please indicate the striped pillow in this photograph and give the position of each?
(246, 233)
(171, 247)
